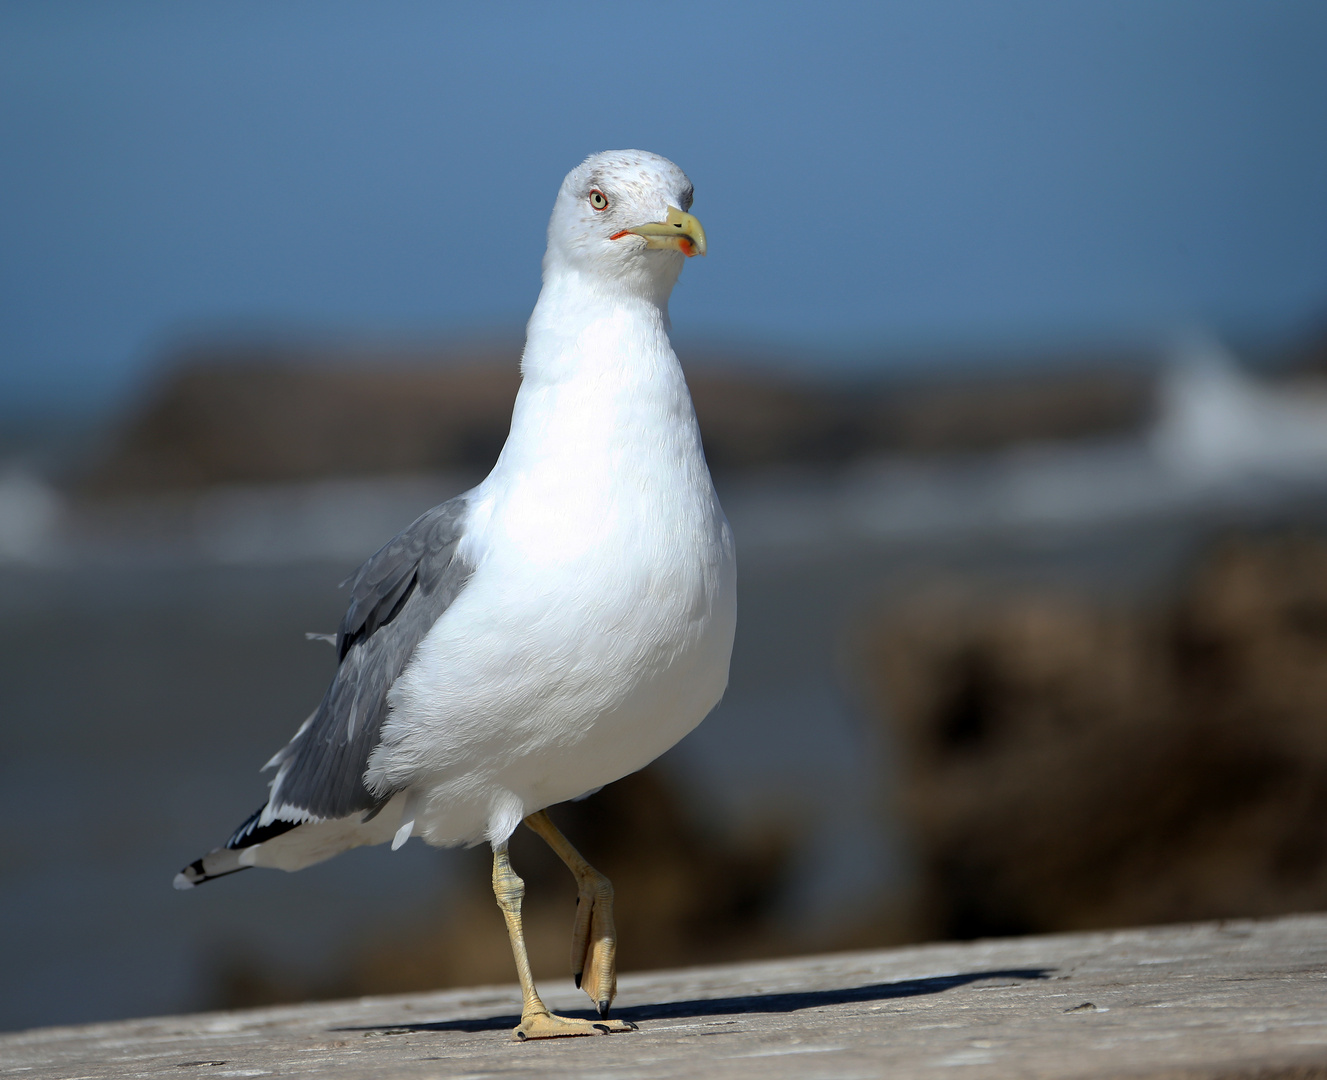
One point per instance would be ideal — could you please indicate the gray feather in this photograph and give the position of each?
(395, 598)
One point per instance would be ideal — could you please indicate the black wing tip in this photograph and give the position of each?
(223, 861)
(251, 833)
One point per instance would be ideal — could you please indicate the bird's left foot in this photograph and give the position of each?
(547, 1025)
(594, 941)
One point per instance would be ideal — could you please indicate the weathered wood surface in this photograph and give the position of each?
(1236, 999)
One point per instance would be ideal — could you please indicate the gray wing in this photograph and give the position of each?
(395, 598)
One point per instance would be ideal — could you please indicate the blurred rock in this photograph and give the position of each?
(1069, 765)
(253, 416)
(684, 895)
(258, 415)
(754, 419)
(1308, 355)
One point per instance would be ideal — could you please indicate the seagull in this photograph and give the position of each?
(551, 630)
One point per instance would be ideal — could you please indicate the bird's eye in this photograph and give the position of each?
(598, 199)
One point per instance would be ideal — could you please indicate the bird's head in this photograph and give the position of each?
(622, 215)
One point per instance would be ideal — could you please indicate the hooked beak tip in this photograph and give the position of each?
(679, 231)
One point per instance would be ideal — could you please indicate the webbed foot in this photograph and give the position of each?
(547, 1025)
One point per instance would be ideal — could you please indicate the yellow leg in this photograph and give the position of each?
(536, 1021)
(593, 936)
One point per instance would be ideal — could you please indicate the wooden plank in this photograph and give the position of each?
(1227, 1000)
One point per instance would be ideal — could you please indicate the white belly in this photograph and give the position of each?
(595, 633)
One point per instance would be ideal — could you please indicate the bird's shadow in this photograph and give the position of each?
(731, 1006)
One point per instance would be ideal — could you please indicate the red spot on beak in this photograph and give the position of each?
(618, 235)
(685, 246)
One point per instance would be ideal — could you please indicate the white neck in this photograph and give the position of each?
(589, 330)
(598, 373)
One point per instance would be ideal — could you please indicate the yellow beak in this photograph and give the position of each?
(679, 231)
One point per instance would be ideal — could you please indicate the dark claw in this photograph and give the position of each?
(602, 1027)
(604, 1006)
(577, 977)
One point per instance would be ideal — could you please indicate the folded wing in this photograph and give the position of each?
(395, 598)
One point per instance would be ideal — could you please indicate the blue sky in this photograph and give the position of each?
(881, 176)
